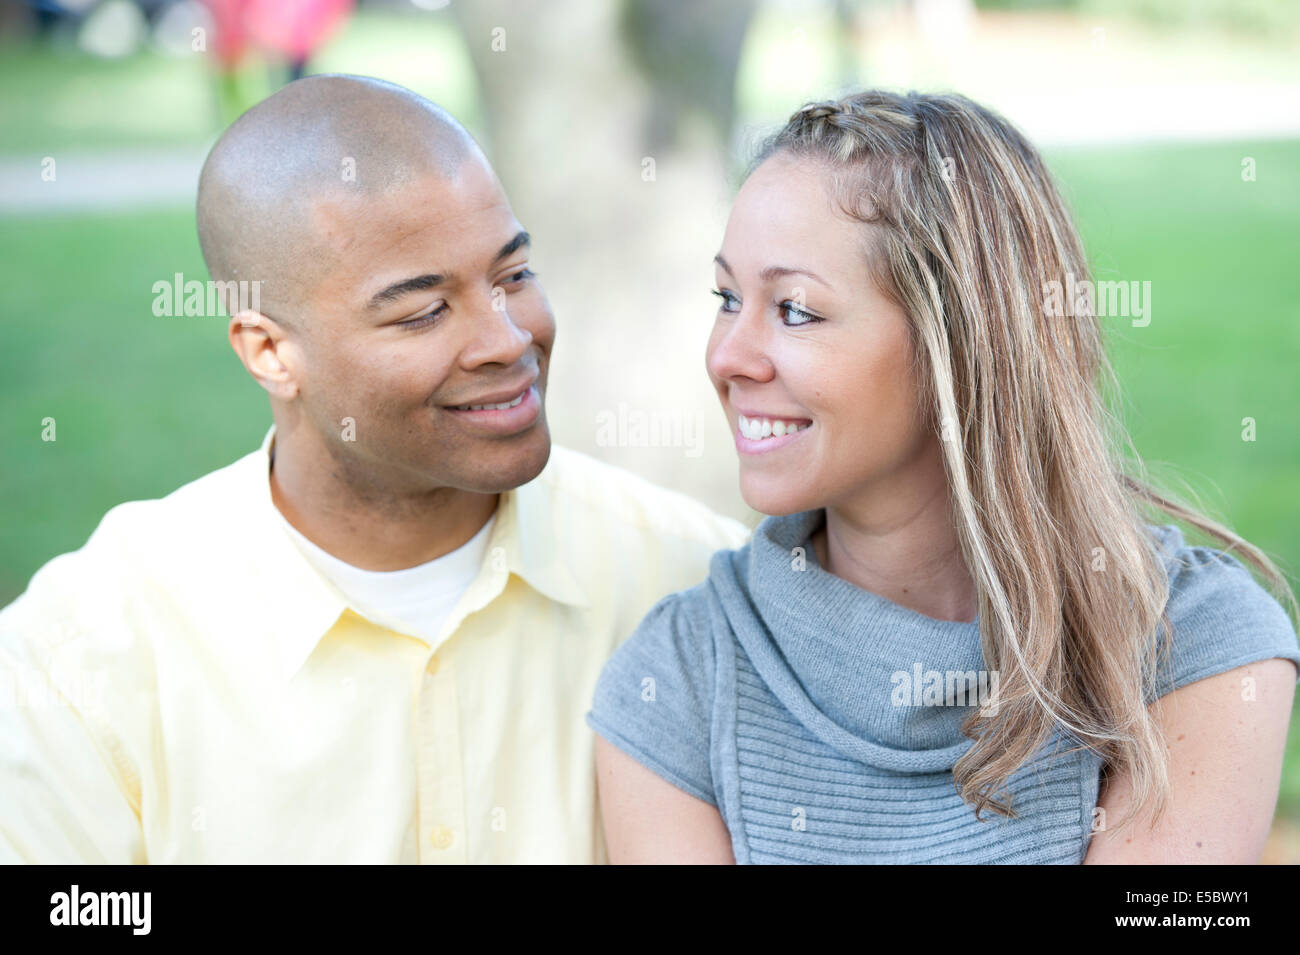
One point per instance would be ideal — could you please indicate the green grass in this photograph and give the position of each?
(141, 404)
(1224, 337)
(1225, 319)
(70, 100)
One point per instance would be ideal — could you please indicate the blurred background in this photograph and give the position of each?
(619, 130)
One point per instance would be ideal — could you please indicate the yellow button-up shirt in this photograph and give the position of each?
(188, 688)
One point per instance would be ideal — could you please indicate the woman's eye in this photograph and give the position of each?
(428, 318)
(523, 275)
(727, 300)
(790, 310)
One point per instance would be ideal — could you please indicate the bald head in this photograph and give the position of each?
(322, 142)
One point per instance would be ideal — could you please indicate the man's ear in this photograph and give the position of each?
(264, 348)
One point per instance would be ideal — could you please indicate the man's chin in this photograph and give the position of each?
(507, 470)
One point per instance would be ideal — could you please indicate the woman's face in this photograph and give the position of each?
(811, 361)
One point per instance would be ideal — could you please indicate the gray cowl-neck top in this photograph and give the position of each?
(823, 720)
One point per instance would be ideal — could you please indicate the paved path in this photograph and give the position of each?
(100, 180)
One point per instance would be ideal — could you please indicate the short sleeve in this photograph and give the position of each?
(654, 697)
(1221, 616)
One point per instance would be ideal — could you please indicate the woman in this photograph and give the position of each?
(955, 639)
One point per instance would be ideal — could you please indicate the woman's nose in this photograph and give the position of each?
(739, 350)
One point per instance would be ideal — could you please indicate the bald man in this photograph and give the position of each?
(373, 639)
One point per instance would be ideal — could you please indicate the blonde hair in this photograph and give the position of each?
(968, 228)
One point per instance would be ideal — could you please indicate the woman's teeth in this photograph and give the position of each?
(756, 429)
(500, 406)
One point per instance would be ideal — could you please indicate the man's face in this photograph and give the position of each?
(429, 307)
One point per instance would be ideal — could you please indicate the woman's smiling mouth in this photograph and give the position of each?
(760, 433)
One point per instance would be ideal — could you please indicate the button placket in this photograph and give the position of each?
(439, 766)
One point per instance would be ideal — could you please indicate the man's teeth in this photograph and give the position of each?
(756, 429)
(496, 407)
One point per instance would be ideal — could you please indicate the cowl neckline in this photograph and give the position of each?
(834, 653)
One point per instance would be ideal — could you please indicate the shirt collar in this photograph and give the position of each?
(305, 605)
(529, 530)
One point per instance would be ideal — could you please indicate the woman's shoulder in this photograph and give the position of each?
(678, 625)
(1221, 616)
(1208, 585)
(655, 694)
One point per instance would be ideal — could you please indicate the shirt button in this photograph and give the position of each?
(440, 837)
(433, 664)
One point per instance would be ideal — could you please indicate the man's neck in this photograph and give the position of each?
(373, 532)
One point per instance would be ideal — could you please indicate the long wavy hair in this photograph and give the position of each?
(1048, 495)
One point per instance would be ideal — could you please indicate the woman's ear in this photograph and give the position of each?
(264, 347)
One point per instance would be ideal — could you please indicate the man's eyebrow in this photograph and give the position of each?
(513, 246)
(395, 291)
(422, 283)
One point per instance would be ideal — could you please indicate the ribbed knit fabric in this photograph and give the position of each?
(790, 699)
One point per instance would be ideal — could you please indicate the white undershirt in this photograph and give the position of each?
(416, 600)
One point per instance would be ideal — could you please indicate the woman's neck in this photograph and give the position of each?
(905, 550)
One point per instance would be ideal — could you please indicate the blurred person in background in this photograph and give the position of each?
(287, 31)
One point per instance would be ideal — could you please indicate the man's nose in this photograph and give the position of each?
(496, 339)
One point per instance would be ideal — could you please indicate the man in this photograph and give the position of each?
(374, 639)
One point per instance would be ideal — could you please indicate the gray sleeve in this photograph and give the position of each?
(654, 698)
(1222, 618)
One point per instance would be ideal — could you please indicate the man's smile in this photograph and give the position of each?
(501, 413)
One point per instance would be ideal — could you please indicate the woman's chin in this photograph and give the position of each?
(776, 498)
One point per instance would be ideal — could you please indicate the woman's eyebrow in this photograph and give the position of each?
(780, 271)
(772, 271)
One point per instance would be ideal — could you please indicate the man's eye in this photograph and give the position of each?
(428, 318)
(727, 300)
(523, 275)
(791, 310)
